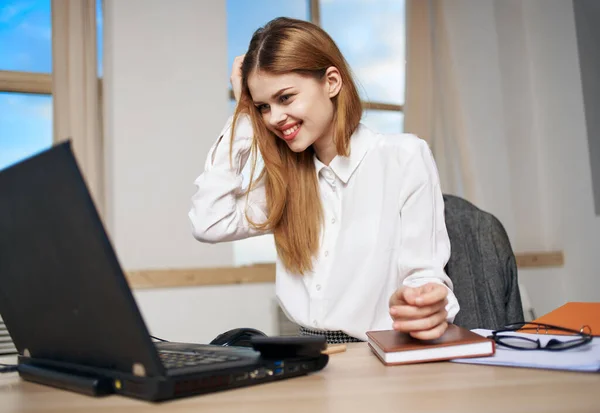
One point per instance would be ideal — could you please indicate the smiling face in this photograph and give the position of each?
(297, 108)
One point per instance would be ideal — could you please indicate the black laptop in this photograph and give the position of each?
(71, 313)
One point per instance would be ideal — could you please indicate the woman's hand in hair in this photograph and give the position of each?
(420, 311)
(236, 77)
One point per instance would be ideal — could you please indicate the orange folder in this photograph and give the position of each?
(574, 315)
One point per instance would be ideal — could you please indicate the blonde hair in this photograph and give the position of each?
(295, 214)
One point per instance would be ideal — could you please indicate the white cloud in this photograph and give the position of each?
(23, 60)
(383, 78)
(42, 32)
(12, 10)
(44, 110)
(384, 122)
(12, 99)
(374, 45)
(37, 108)
(7, 13)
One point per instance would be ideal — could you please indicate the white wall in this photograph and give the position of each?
(165, 100)
(559, 113)
(519, 81)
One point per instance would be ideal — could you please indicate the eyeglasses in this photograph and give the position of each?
(504, 338)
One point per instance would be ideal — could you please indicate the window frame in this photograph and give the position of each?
(34, 83)
(25, 82)
(13, 81)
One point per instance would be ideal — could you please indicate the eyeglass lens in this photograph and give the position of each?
(527, 343)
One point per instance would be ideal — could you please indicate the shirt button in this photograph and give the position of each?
(326, 253)
(333, 220)
(315, 323)
(318, 287)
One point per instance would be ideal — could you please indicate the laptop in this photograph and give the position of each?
(71, 313)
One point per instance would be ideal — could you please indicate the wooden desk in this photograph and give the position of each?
(354, 381)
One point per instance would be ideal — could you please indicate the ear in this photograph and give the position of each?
(333, 81)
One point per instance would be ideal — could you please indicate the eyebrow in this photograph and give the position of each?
(276, 95)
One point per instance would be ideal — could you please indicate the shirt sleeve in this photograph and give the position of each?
(220, 206)
(425, 246)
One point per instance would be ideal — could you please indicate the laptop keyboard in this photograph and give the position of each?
(179, 359)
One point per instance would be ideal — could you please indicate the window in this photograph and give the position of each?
(244, 17)
(370, 34)
(26, 121)
(25, 82)
(26, 77)
(99, 37)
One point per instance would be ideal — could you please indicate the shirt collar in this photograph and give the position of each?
(344, 166)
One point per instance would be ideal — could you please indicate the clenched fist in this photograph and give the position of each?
(420, 311)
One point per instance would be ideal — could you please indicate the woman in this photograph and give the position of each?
(357, 217)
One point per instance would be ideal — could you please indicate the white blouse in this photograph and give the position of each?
(384, 227)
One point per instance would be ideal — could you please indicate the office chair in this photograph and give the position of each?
(482, 267)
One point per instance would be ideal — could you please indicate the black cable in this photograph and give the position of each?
(7, 368)
(159, 339)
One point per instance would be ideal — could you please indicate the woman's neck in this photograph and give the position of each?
(325, 149)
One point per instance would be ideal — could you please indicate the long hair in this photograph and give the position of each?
(294, 210)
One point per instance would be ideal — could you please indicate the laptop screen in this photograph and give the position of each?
(63, 295)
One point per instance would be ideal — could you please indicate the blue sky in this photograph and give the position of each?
(25, 36)
(370, 34)
(25, 44)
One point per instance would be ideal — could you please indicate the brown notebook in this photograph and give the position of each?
(394, 348)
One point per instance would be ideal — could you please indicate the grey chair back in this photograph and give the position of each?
(482, 267)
